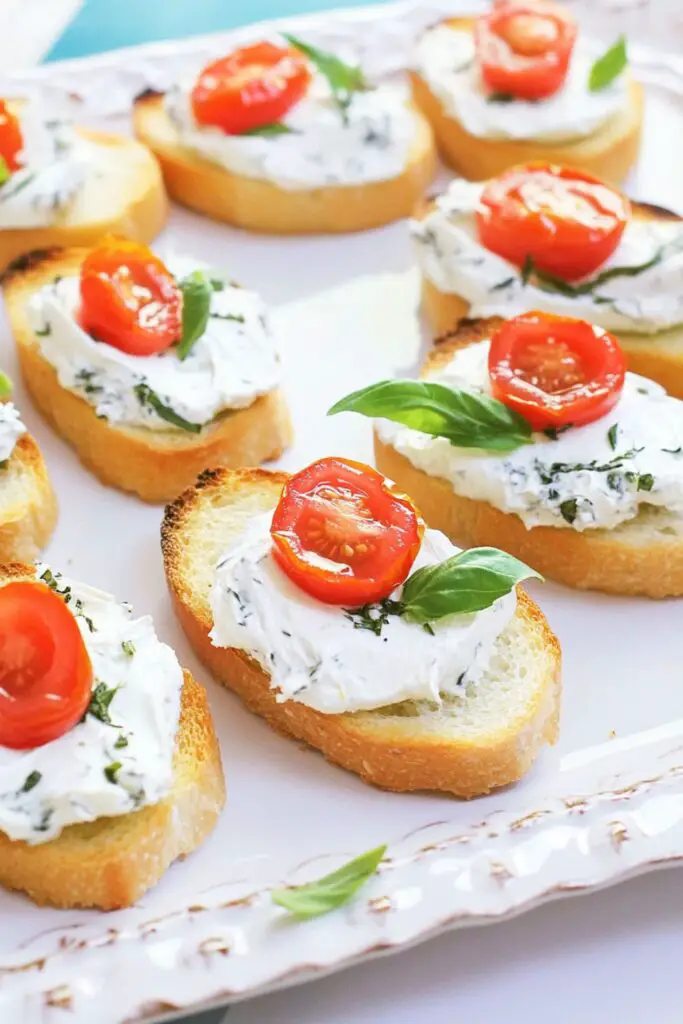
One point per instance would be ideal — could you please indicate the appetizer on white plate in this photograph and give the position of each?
(324, 603)
(284, 137)
(62, 185)
(151, 372)
(522, 83)
(109, 765)
(546, 237)
(28, 506)
(530, 434)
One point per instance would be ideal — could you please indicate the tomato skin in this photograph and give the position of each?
(252, 87)
(524, 48)
(11, 138)
(348, 514)
(45, 672)
(568, 222)
(555, 371)
(129, 299)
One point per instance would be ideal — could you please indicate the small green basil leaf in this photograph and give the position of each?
(5, 173)
(146, 396)
(276, 128)
(197, 293)
(467, 419)
(467, 582)
(344, 79)
(332, 891)
(6, 386)
(609, 66)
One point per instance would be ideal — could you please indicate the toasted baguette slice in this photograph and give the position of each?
(608, 153)
(260, 205)
(112, 862)
(125, 197)
(643, 556)
(657, 356)
(154, 464)
(28, 506)
(466, 748)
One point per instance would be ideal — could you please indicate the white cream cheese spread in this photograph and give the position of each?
(232, 363)
(313, 652)
(55, 163)
(100, 768)
(451, 256)
(591, 477)
(369, 141)
(11, 429)
(446, 60)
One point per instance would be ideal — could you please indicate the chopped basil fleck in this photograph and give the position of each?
(121, 742)
(569, 509)
(146, 396)
(128, 647)
(101, 699)
(31, 782)
(373, 616)
(612, 435)
(646, 482)
(44, 332)
(111, 771)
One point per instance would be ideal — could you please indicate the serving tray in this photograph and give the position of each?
(606, 804)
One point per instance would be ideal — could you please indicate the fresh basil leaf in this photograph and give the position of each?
(5, 173)
(467, 582)
(500, 97)
(467, 419)
(612, 434)
(332, 891)
(550, 283)
(609, 66)
(6, 386)
(276, 128)
(146, 396)
(197, 293)
(344, 79)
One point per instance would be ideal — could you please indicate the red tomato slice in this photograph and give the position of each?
(555, 371)
(343, 534)
(11, 139)
(250, 88)
(524, 47)
(129, 299)
(45, 672)
(568, 222)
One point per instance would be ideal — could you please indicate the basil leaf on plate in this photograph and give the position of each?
(5, 173)
(609, 66)
(467, 582)
(467, 419)
(146, 396)
(197, 291)
(276, 128)
(344, 79)
(6, 386)
(331, 891)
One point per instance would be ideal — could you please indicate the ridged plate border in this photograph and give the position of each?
(620, 808)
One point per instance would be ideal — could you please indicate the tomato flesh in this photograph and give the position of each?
(45, 672)
(343, 534)
(252, 87)
(524, 48)
(129, 299)
(11, 139)
(568, 222)
(555, 371)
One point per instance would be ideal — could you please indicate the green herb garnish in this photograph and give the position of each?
(146, 396)
(609, 66)
(5, 173)
(112, 770)
(51, 580)
(100, 701)
(43, 332)
(128, 647)
(344, 79)
(196, 289)
(121, 742)
(500, 97)
(569, 509)
(237, 317)
(6, 386)
(467, 419)
(373, 616)
(646, 482)
(332, 891)
(552, 433)
(31, 782)
(551, 283)
(612, 435)
(19, 187)
(276, 128)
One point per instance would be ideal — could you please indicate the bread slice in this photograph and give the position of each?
(643, 556)
(608, 153)
(126, 197)
(466, 748)
(28, 506)
(110, 863)
(260, 205)
(657, 356)
(154, 464)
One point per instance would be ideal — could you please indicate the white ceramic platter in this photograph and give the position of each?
(605, 804)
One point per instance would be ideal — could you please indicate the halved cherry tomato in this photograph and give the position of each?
(250, 88)
(45, 672)
(524, 47)
(11, 139)
(343, 534)
(554, 370)
(129, 299)
(568, 222)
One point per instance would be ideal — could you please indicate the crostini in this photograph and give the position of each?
(322, 601)
(151, 372)
(529, 433)
(546, 237)
(289, 139)
(516, 84)
(64, 186)
(109, 765)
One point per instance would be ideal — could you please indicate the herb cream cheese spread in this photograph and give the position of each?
(11, 429)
